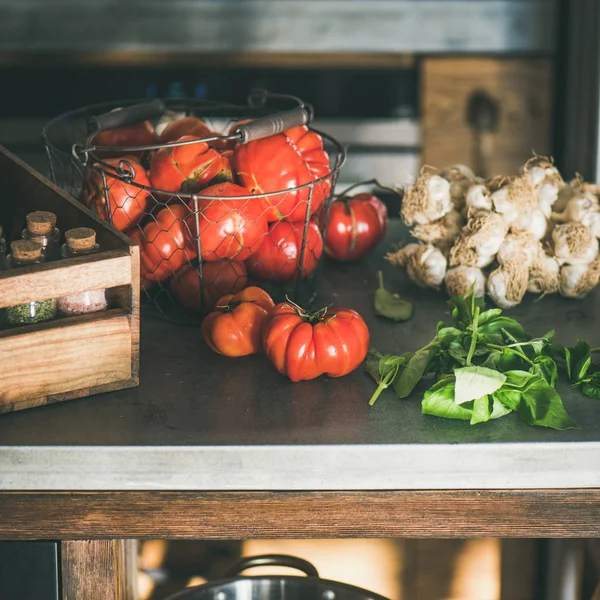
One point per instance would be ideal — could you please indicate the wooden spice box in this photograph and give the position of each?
(68, 357)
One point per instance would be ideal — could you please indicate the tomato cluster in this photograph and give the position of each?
(300, 344)
(262, 237)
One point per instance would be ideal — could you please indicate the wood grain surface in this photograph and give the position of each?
(267, 515)
(54, 360)
(521, 87)
(93, 569)
(65, 277)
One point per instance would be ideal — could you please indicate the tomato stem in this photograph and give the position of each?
(380, 280)
(311, 317)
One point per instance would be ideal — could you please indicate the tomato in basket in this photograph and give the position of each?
(278, 257)
(188, 168)
(356, 225)
(229, 228)
(140, 134)
(127, 202)
(218, 279)
(283, 161)
(165, 244)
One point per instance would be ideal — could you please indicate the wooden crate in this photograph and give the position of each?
(68, 357)
(523, 89)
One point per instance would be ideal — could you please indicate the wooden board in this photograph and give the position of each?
(268, 515)
(523, 89)
(93, 569)
(66, 355)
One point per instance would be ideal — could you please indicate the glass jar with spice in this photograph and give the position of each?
(41, 227)
(24, 253)
(81, 241)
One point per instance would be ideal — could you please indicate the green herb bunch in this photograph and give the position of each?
(487, 366)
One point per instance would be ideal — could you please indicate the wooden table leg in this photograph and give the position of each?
(98, 568)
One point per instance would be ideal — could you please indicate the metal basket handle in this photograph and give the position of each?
(272, 560)
(272, 124)
(130, 115)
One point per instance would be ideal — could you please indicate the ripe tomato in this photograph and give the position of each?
(218, 278)
(304, 345)
(229, 228)
(137, 237)
(185, 126)
(278, 257)
(167, 244)
(127, 202)
(235, 327)
(281, 162)
(140, 134)
(188, 168)
(356, 225)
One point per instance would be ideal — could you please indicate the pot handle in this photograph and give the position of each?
(130, 115)
(272, 124)
(272, 560)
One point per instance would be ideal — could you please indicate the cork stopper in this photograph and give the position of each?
(41, 222)
(26, 250)
(80, 239)
(1, 232)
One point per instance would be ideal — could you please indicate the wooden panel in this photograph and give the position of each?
(523, 90)
(54, 280)
(96, 569)
(52, 361)
(268, 515)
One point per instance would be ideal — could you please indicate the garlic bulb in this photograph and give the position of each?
(533, 222)
(515, 198)
(425, 264)
(507, 285)
(544, 275)
(427, 200)
(503, 206)
(592, 221)
(486, 233)
(478, 199)
(462, 253)
(546, 182)
(580, 205)
(520, 246)
(459, 281)
(576, 281)
(440, 233)
(461, 178)
(574, 244)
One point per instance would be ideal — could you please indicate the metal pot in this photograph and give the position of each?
(274, 587)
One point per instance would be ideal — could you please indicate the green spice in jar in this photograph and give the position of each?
(28, 252)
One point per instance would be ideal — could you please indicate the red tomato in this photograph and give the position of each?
(167, 244)
(281, 162)
(356, 225)
(188, 168)
(185, 126)
(235, 327)
(229, 228)
(218, 279)
(278, 257)
(127, 202)
(137, 237)
(304, 345)
(140, 134)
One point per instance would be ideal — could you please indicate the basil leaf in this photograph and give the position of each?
(447, 335)
(438, 401)
(482, 410)
(411, 374)
(591, 386)
(581, 358)
(508, 398)
(372, 363)
(509, 360)
(498, 328)
(546, 368)
(564, 353)
(488, 315)
(498, 409)
(541, 405)
(475, 382)
(518, 380)
(391, 306)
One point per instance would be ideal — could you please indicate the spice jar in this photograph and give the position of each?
(81, 241)
(41, 227)
(23, 253)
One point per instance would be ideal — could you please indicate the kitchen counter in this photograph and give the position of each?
(199, 421)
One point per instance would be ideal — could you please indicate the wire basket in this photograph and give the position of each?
(201, 235)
